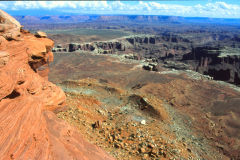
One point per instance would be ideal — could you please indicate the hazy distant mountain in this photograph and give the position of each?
(121, 18)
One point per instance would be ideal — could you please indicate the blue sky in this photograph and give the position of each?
(186, 8)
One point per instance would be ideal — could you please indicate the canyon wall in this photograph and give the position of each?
(210, 61)
(29, 128)
(158, 47)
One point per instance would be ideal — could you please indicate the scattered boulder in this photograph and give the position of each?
(150, 67)
(40, 34)
(24, 30)
(145, 156)
(142, 150)
(59, 46)
(97, 124)
(131, 56)
(143, 122)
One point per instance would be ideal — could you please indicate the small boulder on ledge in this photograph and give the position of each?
(41, 34)
(143, 122)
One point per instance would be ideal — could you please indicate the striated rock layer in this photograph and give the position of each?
(29, 128)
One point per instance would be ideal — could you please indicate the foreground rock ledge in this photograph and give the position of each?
(28, 127)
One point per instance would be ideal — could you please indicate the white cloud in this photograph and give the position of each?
(217, 9)
(3, 6)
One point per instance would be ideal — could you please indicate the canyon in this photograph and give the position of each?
(123, 108)
(155, 87)
(184, 87)
(220, 62)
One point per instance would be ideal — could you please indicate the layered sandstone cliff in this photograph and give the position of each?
(29, 129)
(214, 62)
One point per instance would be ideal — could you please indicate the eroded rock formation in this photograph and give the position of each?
(147, 46)
(218, 61)
(29, 129)
(102, 47)
(212, 62)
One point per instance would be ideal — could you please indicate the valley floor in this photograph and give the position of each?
(137, 114)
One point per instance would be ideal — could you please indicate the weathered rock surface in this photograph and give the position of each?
(4, 58)
(9, 27)
(28, 127)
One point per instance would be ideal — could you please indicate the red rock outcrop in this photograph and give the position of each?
(28, 127)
